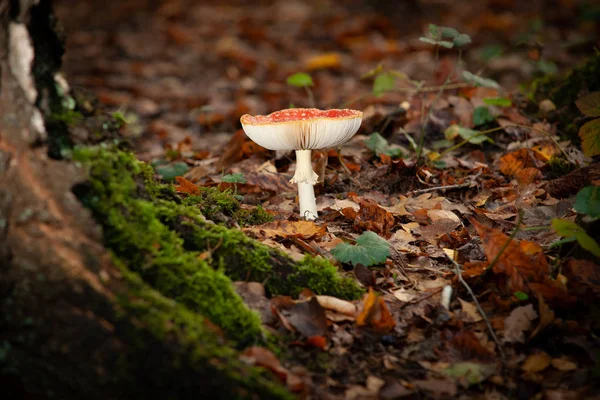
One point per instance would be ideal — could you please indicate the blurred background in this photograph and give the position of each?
(183, 67)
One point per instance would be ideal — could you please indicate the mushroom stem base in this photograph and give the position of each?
(308, 204)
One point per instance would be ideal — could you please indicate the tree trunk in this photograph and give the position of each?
(73, 324)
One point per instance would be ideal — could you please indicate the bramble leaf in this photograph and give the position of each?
(590, 104)
(588, 201)
(590, 137)
(568, 229)
(384, 83)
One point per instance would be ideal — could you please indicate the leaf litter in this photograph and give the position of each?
(483, 194)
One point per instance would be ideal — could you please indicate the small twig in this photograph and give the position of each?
(510, 238)
(442, 188)
(355, 100)
(450, 86)
(480, 309)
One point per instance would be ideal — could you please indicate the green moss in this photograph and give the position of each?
(223, 206)
(169, 243)
(118, 195)
(203, 354)
(246, 259)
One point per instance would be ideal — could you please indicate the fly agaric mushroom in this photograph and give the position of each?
(303, 130)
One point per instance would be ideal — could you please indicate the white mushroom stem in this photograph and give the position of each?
(306, 178)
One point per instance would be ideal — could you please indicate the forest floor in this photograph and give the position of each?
(476, 204)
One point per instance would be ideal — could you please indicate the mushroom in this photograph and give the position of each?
(303, 130)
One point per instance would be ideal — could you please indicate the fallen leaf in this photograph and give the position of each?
(308, 318)
(563, 364)
(522, 262)
(370, 249)
(470, 311)
(470, 373)
(185, 186)
(288, 229)
(338, 305)
(375, 313)
(323, 61)
(265, 358)
(405, 295)
(536, 362)
(519, 321)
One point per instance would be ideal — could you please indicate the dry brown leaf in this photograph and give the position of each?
(519, 321)
(185, 186)
(563, 364)
(522, 262)
(536, 362)
(265, 358)
(470, 311)
(375, 314)
(338, 305)
(288, 229)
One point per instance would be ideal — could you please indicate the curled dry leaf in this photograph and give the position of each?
(185, 186)
(338, 305)
(375, 314)
(288, 229)
(517, 323)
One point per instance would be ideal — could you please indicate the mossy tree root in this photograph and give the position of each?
(177, 252)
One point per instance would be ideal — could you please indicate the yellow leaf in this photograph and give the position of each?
(536, 362)
(324, 61)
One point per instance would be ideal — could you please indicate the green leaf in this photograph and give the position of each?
(384, 83)
(449, 33)
(470, 373)
(168, 172)
(497, 101)
(370, 249)
(491, 51)
(588, 201)
(521, 296)
(434, 30)
(479, 81)
(234, 178)
(590, 104)
(547, 67)
(481, 115)
(569, 229)
(590, 137)
(462, 39)
(434, 42)
(300, 79)
(379, 145)
(473, 136)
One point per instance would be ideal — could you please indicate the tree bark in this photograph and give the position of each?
(72, 323)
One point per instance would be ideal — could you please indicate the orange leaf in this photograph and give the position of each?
(372, 217)
(288, 229)
(375, 314)
(186, 186)
(521, 262)
(512, 163)
(323, 61)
